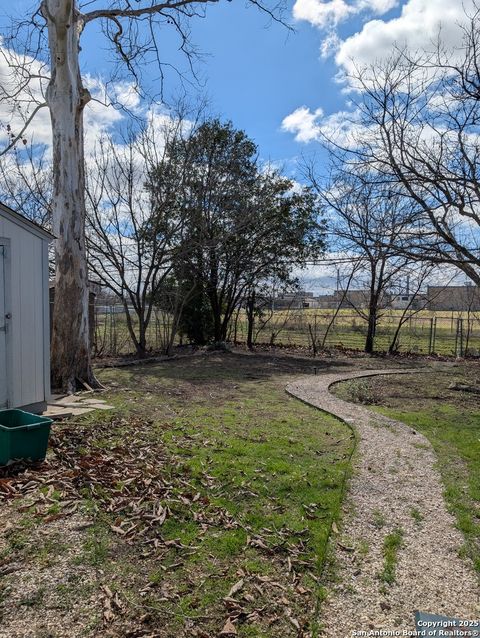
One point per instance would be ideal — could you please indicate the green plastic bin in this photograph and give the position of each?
(23, 436)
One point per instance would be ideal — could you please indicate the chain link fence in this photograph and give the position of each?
(111, 335)
(449, 334)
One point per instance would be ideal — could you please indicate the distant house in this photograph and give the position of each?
(459, 298)
(24, 313)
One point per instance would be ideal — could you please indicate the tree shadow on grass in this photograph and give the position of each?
(234, 366)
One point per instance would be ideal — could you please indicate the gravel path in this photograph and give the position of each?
(394, 475)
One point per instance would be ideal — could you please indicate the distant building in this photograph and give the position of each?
(295, 300)
(411, 301)
(359, 299)
(326, 302)
(461, 298)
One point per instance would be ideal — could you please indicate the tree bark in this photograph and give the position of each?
(217, 314)
(371, 329)
(66, 99)
(375, 292)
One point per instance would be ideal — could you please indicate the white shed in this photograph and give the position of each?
(24, 313)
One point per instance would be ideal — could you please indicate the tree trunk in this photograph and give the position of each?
(66, 100)
(142, 335)
(371, 327)
(217, 316)
(313, 337)
(137, 341)
(393, 347)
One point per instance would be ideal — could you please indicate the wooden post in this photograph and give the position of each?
(461, 337)
(430, 337)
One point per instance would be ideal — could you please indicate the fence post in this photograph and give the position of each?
(434, 334)
(110, 326)
(456, 338)
(459, 338)
(430, 338)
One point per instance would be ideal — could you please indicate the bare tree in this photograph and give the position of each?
(259, 304)
(135, 222)
(417, 274)
(47, 74)
(368, 223)
(341, 301)
(274, 320)
(417, 130)
(26, 183)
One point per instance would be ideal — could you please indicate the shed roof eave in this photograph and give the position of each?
(26, 223)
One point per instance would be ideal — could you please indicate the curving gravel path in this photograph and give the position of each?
(394, 475)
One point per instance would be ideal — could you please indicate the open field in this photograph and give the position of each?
(203, 503)
(444, 333)
(424, 333)
(450, 419)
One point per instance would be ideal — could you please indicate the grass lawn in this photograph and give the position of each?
(200, 507)
(450, 419)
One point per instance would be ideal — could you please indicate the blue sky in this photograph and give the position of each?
(254, 71)
(281, 87)
(257, 73)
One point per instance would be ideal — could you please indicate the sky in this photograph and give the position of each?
(282, 86)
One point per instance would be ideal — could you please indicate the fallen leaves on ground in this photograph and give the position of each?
(137, 487)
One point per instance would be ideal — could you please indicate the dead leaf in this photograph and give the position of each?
(235, 588)
(294, 622)
(229, 629)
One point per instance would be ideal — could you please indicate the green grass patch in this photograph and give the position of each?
(391, 546)
(252, 480)
(416, 515)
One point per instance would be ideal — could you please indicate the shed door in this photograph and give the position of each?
(3, 333)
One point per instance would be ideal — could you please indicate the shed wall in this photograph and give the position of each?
(28, 262)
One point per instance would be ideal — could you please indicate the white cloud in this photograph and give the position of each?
(303, 123)
(28, 96)
(101, 114)
(418, 28)
(342, 127)
(376, 6)
(323, 14)
(330, 44)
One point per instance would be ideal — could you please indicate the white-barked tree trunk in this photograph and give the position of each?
(66, 99)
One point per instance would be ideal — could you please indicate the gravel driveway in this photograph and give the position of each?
(395, 491)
